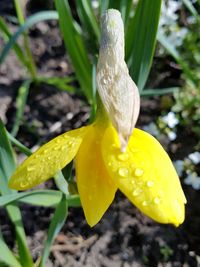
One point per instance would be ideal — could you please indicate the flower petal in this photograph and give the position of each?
(47, 160)
(145, 174)
(95, 186)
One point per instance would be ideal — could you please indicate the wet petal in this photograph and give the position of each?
(47, 160)
(95, 187)
(145, 174)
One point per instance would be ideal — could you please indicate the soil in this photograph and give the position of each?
(124, 237)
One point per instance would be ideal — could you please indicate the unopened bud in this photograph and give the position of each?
(117, 90)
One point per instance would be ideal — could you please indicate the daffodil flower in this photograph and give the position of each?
(111, 154)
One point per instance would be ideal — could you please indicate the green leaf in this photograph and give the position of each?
(57, 223)
(61, 183)
(172, 50)
(24, 253)
(141, 39)
(103, 5)
(6, 255)
(190, 7)
(88, 19)
(60, 83)
(75, 47)
(40, 16)
(7, 166)
(159, 91)
(18, 144)
(20, 105)
(16, 47)
(45, 198)
(7, 160)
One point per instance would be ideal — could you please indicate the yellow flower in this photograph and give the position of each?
(144, 172)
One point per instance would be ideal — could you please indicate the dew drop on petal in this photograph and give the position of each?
(30, 168)
(137, 192)
(24, 184)
(144, 203)
(49, 157)
(150, 183)
(56, 148)
(156, 200)
(123, 172)
(63, 147)
(45, 151)
(123, 157)
(138, 172)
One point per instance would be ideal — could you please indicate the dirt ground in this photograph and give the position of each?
(124, 237)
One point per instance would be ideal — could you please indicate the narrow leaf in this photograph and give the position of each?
(141, 39)
(40, 16)
(16, 47)
(75, 47)
(20, 105)
(57, 223)
(7, 160)
(45, 198)
(6, 255)
(159, 91)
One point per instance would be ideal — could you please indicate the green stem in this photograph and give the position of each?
(31, 65)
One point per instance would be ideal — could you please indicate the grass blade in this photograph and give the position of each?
(88, 18)
(18, 144)
(75, 47)
(60, 83)
(40, 16)
(20, 105)
(57, 223)
(6, 255)
(175, 54)
(16, 47)
(7, 160)
(44, 198)
(7, 166)
(190, 7)
(159, 91)
(141, 38)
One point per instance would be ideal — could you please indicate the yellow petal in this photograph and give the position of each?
(95, 187)
(47, 160)
(145, 174)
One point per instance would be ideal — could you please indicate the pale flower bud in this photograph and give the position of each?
(117, 90)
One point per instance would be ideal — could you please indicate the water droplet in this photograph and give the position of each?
(45, 151)
(123, 172)
(24, 184)
(123, 157)
(63, 147)
(156, 200)
(104, 81)
(134, 150)
(37, 156)
(49, 157)
(30, 168)
(56, 148)
(137, 192)
(150, 183)
(138, 172)
(58, 140)
(144, 203)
